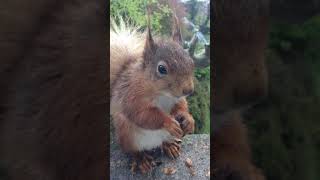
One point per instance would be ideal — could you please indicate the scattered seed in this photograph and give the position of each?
(133, 167)
(192, 171)
(188, 162)
(208, 174)
(169, 170)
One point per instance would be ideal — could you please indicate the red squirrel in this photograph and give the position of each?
(150, 79)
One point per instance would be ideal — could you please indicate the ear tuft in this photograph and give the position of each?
(176, 32)
(150, 47)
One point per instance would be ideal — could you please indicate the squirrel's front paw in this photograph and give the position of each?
(186, 122)
(173, 127)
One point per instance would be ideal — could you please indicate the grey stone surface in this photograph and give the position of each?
(196, 147)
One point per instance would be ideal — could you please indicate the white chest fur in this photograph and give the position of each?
(146, 139)
(165, 103)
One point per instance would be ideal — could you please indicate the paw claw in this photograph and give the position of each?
(145, 162)
(172, 150)
(186, 122)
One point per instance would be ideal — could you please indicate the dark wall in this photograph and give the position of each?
(53, 91)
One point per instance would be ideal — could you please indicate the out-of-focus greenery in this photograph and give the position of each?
(285, 130)
(135, 12)
(199, 103)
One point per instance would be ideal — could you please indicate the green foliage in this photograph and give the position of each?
(311, 52)
(202, 73)
(197, 10)
(198, 13)
(285, 130)
(297, 48)
(199, 103)
(136, 12)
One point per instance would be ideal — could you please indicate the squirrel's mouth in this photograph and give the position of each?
(170, 95)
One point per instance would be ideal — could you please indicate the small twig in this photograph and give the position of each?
(203, 60)
(192, 45)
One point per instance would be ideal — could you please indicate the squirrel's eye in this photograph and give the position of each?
(162, 70)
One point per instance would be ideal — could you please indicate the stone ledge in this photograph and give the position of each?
(196, 147)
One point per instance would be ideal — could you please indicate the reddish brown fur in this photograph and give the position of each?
(123, 128)
(232, 152)
(146, 115)
(137, 101)
(181, 108)
(240, 37)
(172, 53)
(136, 85)
(53, 90)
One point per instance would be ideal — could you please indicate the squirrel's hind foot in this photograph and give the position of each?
(172, 149)
(143, 161)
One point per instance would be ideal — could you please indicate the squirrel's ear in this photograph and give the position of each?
(176, 32)
(150, 46)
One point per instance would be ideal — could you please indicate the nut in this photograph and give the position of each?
(208, 174)
(133, 167)
(188, 162)
(169, 170)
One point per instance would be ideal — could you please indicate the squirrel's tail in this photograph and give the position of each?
(126, 43)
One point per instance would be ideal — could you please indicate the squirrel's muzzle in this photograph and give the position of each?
(188, 92)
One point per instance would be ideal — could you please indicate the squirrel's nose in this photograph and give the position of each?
(187, 92)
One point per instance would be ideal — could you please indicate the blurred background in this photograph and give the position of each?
(285, 128)
(194, 20)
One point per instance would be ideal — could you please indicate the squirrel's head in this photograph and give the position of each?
(169, 65)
